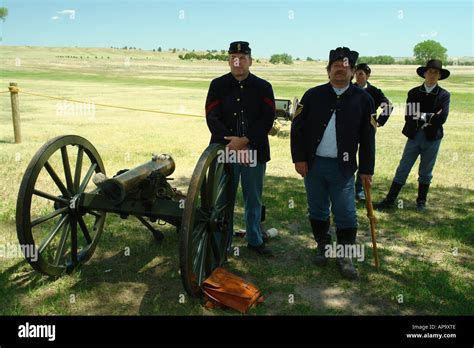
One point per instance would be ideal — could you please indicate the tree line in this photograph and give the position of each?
(422, 52)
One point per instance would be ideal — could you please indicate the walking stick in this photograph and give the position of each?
(370, 215)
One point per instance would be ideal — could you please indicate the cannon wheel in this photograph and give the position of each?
(206, 226)
(47, 217)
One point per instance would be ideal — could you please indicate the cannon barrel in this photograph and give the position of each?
(115, 189)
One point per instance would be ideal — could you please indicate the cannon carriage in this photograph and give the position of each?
(65, 196)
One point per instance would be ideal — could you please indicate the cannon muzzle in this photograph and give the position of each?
(115, 189)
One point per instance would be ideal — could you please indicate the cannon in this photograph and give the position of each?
(65, 195)
(285, 109)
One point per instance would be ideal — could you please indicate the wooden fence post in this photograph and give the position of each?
(15, 111)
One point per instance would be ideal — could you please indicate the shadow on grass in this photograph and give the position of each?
(133, 274)
(17, 281)
(431, 286)
(426, 287)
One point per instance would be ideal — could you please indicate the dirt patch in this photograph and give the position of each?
(334, 298)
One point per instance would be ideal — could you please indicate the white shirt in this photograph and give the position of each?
(328, 145)
(429, 89)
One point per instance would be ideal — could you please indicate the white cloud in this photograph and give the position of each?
(431, 34)
(66, 11)
(70, 13)
(54, 18)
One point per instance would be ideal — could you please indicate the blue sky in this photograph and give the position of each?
(300, 28)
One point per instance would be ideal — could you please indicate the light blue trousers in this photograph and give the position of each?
(252, 188)
(427, 150)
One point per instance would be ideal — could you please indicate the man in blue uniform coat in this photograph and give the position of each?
(426, 111)
(240, 110)
(362, 75)
(331, 124)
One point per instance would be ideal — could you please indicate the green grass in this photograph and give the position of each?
(417, 254)
(98, 78)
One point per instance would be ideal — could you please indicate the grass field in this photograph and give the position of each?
(427, 264)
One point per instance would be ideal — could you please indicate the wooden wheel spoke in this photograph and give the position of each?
(198, 231)
(202, 263)
(215, 182)
(221, 188)
(204, 200)
(53, 233)
(201, 215)
(219, 168)
(74, 241)
(56, 180)
(200, 255)
(67, 169)
(219, 172)
(84, 229)
(77, 172)
(49, 216)
(215, 246)
(220, 208)
(211, 184)
(87, 178)
(61, 245)
(50, 197)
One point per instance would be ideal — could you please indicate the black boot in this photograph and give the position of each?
(261, 249)
(421, 199)
(389, 200)
(346, 236)
(322, 237)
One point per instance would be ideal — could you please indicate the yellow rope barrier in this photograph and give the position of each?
(13, 89)
(16, 90)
